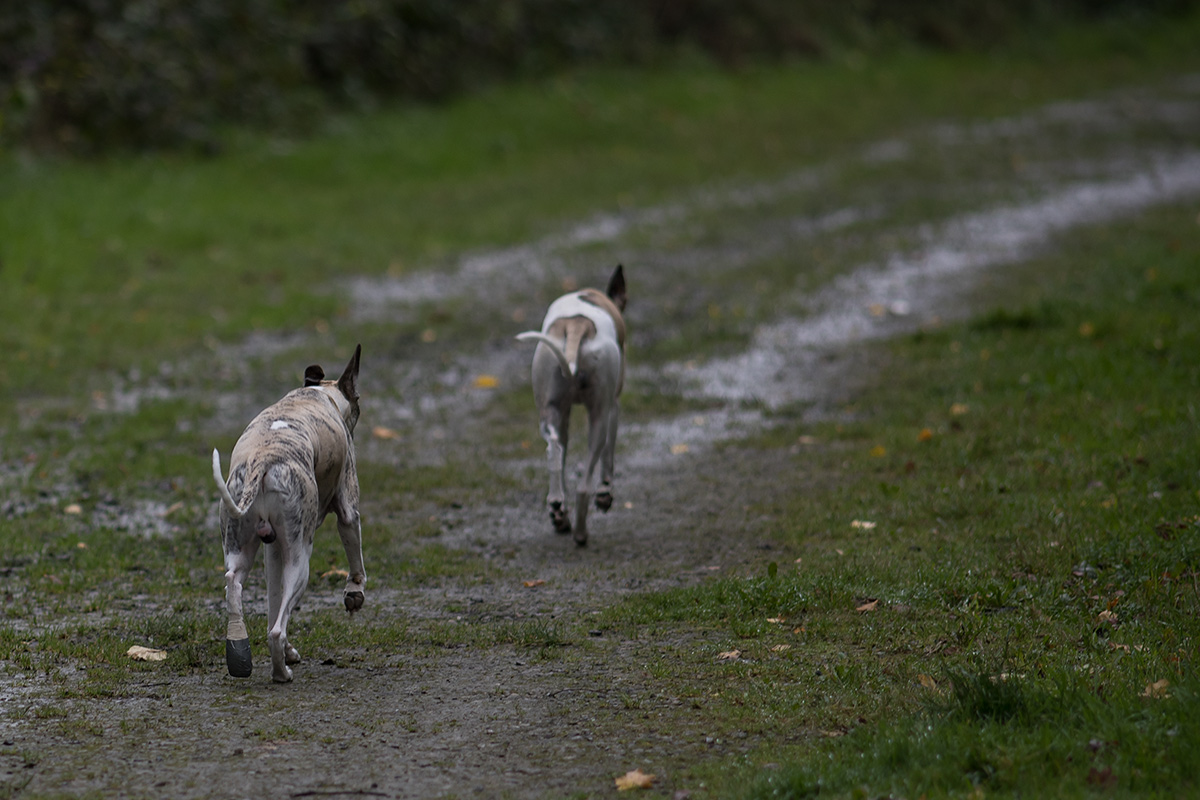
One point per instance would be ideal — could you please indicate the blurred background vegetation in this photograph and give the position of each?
(90, 76)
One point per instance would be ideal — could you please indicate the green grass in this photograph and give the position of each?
(1026, 472)
(128, 261)
(1032, 553)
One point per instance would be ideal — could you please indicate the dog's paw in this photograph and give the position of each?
(604, 500)
(237, 658)
(354, 600)
(558, 516)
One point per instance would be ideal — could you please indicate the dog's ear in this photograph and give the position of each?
(616, 287)
(313, 375)
(348, 383)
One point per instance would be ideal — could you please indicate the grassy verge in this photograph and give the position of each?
(1000, 595)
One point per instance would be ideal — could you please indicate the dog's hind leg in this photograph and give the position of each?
(287, 577)
(597, 440)
(239, 558)
(295, 522)
(604, 498)
(555, 426)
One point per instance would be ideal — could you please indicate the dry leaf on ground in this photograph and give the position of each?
(1157, 689)
(679, 449)
(870, 605)
(730, 655)
(340, 573)
(74, 508)
(139, 653)
(533, 583)
(863, 524)
(926, 681)
(380, 432)
(487, 382)
(634, 779)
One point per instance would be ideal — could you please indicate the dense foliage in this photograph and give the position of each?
(89, 75)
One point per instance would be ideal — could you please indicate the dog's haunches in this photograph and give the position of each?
(580, 360)
(293, 465)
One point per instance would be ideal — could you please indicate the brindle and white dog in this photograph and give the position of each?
(293, 465)
(580, 359)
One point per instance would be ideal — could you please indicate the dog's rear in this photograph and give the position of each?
(293, 465)
(580, 359)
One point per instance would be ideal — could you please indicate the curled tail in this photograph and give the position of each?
(234, 510)
(568, 368)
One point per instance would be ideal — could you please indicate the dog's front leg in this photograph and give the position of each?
(350, 531)
(239, 558)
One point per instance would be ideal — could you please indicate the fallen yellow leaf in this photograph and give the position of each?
(139, 653)
(926, 681)
(870, 605)
(878, 451)
(958, 409)
(634, 779)
(487, 382)
(533, 583)
(1107, 616)
(380, 432)
(730, 655)
(339, 573)
(925, 435)
(777, 620)
(1157, 689)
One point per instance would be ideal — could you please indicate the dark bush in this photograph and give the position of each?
(93, 75)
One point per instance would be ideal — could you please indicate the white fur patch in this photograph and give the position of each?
(572, 305)
(277, 424)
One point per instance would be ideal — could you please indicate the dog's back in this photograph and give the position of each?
(302, 428)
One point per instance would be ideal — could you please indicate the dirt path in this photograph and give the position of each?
(504, 720)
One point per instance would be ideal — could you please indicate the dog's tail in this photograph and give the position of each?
(237, 513)
(568, 369)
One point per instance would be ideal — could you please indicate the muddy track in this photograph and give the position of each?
(506, 720)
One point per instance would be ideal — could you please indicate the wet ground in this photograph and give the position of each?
(748, 301)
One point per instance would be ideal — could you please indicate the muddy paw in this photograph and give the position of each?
(354, 601)
(558, 516)
(237, 657)
(604, 500)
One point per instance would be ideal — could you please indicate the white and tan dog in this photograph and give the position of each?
(293, 465)
(580, 359)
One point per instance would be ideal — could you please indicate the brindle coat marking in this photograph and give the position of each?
(293, 465)
(580, 359)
